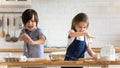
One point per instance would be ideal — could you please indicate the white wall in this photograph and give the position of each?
(56, 15)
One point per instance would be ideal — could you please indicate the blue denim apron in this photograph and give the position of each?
(75, 51)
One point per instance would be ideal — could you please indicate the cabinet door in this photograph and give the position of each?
(16, 3)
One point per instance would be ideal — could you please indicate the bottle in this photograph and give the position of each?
(112, 55)
(46, 43)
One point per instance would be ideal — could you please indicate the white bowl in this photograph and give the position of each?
(57, 55)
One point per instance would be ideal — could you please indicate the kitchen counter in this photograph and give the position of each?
(48, 50)
(47, 62)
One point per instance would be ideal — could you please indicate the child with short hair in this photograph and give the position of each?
(32, 35)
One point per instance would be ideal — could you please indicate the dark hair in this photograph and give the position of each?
(28, 14)
(81, 17)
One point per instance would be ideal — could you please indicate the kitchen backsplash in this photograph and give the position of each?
(11, 24)
(56, 15)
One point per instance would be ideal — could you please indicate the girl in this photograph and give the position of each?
(78, 39)
(32, 35)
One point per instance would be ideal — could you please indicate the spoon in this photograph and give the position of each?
(8, 35)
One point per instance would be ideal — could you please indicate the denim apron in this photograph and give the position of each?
(75, 51)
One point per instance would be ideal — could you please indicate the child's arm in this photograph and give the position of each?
(26, 38)
(91, 53)
(23, 37)
(88, 36)
(41, 40)
(76, 34)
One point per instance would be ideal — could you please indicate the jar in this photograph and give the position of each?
(107, 53)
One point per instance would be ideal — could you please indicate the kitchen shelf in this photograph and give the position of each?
(49, 50)
(12, 10)
(15, 3)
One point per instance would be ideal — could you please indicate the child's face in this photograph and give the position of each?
(31, 24)
(81, 26)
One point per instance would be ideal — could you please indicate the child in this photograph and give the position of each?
(77, 39)
(32, 35)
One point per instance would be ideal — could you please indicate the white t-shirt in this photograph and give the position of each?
(81, 38)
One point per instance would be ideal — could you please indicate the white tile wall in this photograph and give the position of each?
(56, 15)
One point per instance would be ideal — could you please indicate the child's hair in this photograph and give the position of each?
(81, 17)
(28, 14)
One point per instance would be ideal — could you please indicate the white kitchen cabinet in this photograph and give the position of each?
(15, 3)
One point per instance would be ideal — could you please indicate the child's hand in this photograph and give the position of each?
(26, 38)
(30, 41)
(88, 36)
(96, 56)
(91, 37)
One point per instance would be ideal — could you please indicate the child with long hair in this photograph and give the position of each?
(78, 37)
